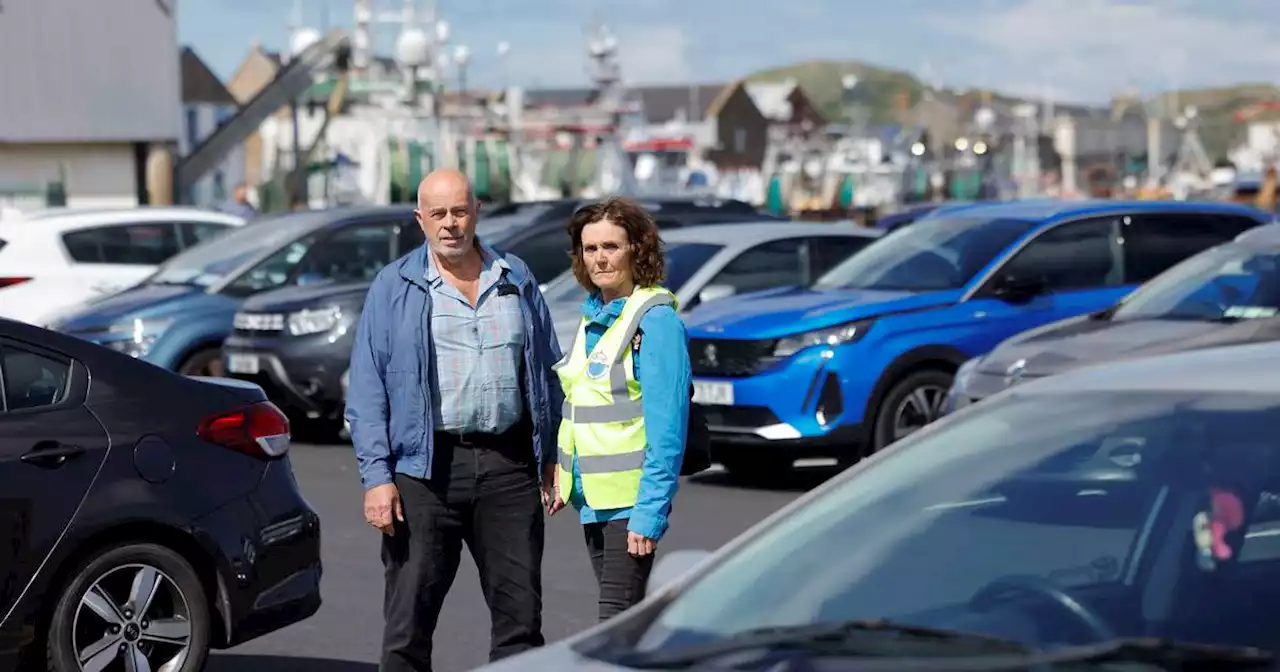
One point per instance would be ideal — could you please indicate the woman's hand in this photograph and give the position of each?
(551, 489)
(640, 545)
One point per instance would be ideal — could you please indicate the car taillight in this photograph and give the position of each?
(9, 282)
(260, 430)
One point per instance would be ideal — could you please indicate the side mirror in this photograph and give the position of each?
(1016, 289)
(714, 292)
(671, 566)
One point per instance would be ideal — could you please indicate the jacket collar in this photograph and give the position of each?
(596, 310)
(413, 266)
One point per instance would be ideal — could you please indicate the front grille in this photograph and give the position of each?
(739, 417)
(730, 359)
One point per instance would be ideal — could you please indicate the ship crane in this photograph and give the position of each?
(1192, 167)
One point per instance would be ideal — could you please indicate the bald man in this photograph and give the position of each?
(453, 410)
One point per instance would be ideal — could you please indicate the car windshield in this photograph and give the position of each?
(210, 263)
(1227, 283)
(1047, 520)
(934, 253)
(683, 260)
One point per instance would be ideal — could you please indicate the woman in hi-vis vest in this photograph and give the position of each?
(626, 379)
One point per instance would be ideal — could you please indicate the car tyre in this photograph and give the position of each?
(207, 362)
(97, 611)
(916, 400)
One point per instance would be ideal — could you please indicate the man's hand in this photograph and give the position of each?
(551, 489)
(640, 545)
(382, 508)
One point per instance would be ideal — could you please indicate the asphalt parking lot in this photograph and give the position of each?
(344, 635)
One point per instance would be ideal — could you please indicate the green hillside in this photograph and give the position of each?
(880, 88)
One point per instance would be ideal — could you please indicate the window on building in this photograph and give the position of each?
(193, 128)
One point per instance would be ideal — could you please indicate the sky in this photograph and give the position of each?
(1077, 50)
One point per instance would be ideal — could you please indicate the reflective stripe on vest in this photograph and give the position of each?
(604, 425)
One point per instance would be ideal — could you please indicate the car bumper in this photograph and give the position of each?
(305, 374)
(268, 558)
(803, 405)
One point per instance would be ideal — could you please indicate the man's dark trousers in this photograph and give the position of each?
(484, 492)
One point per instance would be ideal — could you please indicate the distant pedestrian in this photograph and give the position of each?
(240, 205)
(627, 381)
(454, 413)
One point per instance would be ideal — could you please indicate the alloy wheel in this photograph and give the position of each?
(135, 614)
(919, 408)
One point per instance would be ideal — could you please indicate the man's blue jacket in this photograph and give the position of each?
(389, 391)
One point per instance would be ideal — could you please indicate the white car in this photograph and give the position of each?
(56, 260)
(714, 261)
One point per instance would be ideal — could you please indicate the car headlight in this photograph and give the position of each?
(306, 322)
(964, 374)
(141, 335)
(956, 397)
(831, 336)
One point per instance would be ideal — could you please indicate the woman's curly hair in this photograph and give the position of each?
(648, 261)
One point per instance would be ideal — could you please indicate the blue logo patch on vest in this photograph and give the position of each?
(597, 365)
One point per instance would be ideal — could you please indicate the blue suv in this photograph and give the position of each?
(866, 355)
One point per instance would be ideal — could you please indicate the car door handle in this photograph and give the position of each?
(51, 454)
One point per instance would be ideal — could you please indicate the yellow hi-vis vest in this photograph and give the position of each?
(603, 422)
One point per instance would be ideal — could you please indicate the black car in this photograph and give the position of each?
(295, 342)
(145, 514)
(1226, 295)
(300, 339)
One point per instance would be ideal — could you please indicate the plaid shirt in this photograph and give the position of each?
(477, 353)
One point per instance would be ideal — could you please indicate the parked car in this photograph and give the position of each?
(53, 261)
(1118, 517)
(1227, 295)
(295, 343)
(705, 263)
(147, 517)
(869, 352)
(178, 318)
(537, 230)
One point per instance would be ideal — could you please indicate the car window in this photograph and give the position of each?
(351, 254)
(32, 380)
(411, 238)
(772, 264)
(194, 233)
(146, 244)
(685, 259)
(1121, 495)
(936, 253)
(272, 272)
(1228, 283)
(1153, 243)
(1077, 255)
(546, 253)
(207, 265)
(826, 252)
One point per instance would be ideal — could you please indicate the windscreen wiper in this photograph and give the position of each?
(869, 638)
(1162, 654)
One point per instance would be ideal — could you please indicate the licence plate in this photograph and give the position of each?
(714, 394)
(241, 363)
